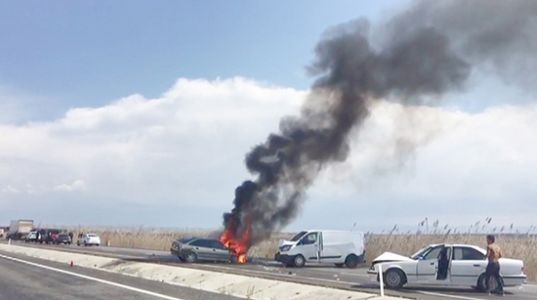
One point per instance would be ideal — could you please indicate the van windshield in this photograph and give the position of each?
(298, 236)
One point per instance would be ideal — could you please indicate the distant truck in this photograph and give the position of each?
(18, 229)
(342, 248)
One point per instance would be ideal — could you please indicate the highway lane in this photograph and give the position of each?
(24, 278)
(354, 279)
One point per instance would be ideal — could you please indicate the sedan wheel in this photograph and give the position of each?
(191, 257)
(394, 279)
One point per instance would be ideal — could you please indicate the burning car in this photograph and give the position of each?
(464, 265)
(200, 249)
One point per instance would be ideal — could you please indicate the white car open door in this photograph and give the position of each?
(428, 265)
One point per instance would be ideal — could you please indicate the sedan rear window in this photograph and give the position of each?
(202, 243)
(465, 253)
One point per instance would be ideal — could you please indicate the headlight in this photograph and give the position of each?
(285, 248)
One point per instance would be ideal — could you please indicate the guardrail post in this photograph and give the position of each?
(381, 281)
(9, 242)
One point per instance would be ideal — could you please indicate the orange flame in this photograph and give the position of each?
(237, 244)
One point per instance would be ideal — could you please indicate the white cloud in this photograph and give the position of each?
(76, 185)
(186, 148)
(10, 190)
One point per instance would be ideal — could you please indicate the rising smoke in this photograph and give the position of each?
(415, 57)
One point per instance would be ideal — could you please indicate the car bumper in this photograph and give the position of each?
(514, 280)
(283, 258)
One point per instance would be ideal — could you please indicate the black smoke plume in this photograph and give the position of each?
(414, 57)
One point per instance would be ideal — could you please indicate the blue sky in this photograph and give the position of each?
(87, 53)
(147, 109)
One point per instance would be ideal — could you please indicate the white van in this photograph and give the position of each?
(323, 246)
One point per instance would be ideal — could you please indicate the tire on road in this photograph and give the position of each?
(352, 261)
(190, 257)
(299, 261)
(482, 283)
(394, 279)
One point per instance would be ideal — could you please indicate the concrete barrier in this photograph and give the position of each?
(230, 284)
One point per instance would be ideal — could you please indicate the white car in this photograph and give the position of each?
(88, 239)
(463, 265)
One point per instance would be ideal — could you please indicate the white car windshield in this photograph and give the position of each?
(420, 253)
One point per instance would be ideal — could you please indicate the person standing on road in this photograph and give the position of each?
(494, 253)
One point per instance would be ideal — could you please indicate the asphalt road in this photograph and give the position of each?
(23, 278)
(354, 279)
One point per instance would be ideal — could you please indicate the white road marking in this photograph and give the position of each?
(119, 285)
(447, 295)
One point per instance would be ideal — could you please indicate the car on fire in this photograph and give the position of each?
(194, 249)
(464, 265)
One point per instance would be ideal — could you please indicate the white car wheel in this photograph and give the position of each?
(394, 279)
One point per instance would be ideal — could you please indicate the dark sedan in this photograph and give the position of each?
(63, 238)
(200, 249)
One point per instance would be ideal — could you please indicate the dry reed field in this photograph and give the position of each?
(514, 245)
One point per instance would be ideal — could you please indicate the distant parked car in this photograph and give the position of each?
(465, 266)
(63, 238)
(31, 237)
(200, 249)
(47, 235)
(88, 239)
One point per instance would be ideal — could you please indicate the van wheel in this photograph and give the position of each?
(299, 261)
(351, 261)
(394, 279)
(339, 265)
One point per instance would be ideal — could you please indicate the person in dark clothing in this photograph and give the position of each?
(443, 264)
(494, 253)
